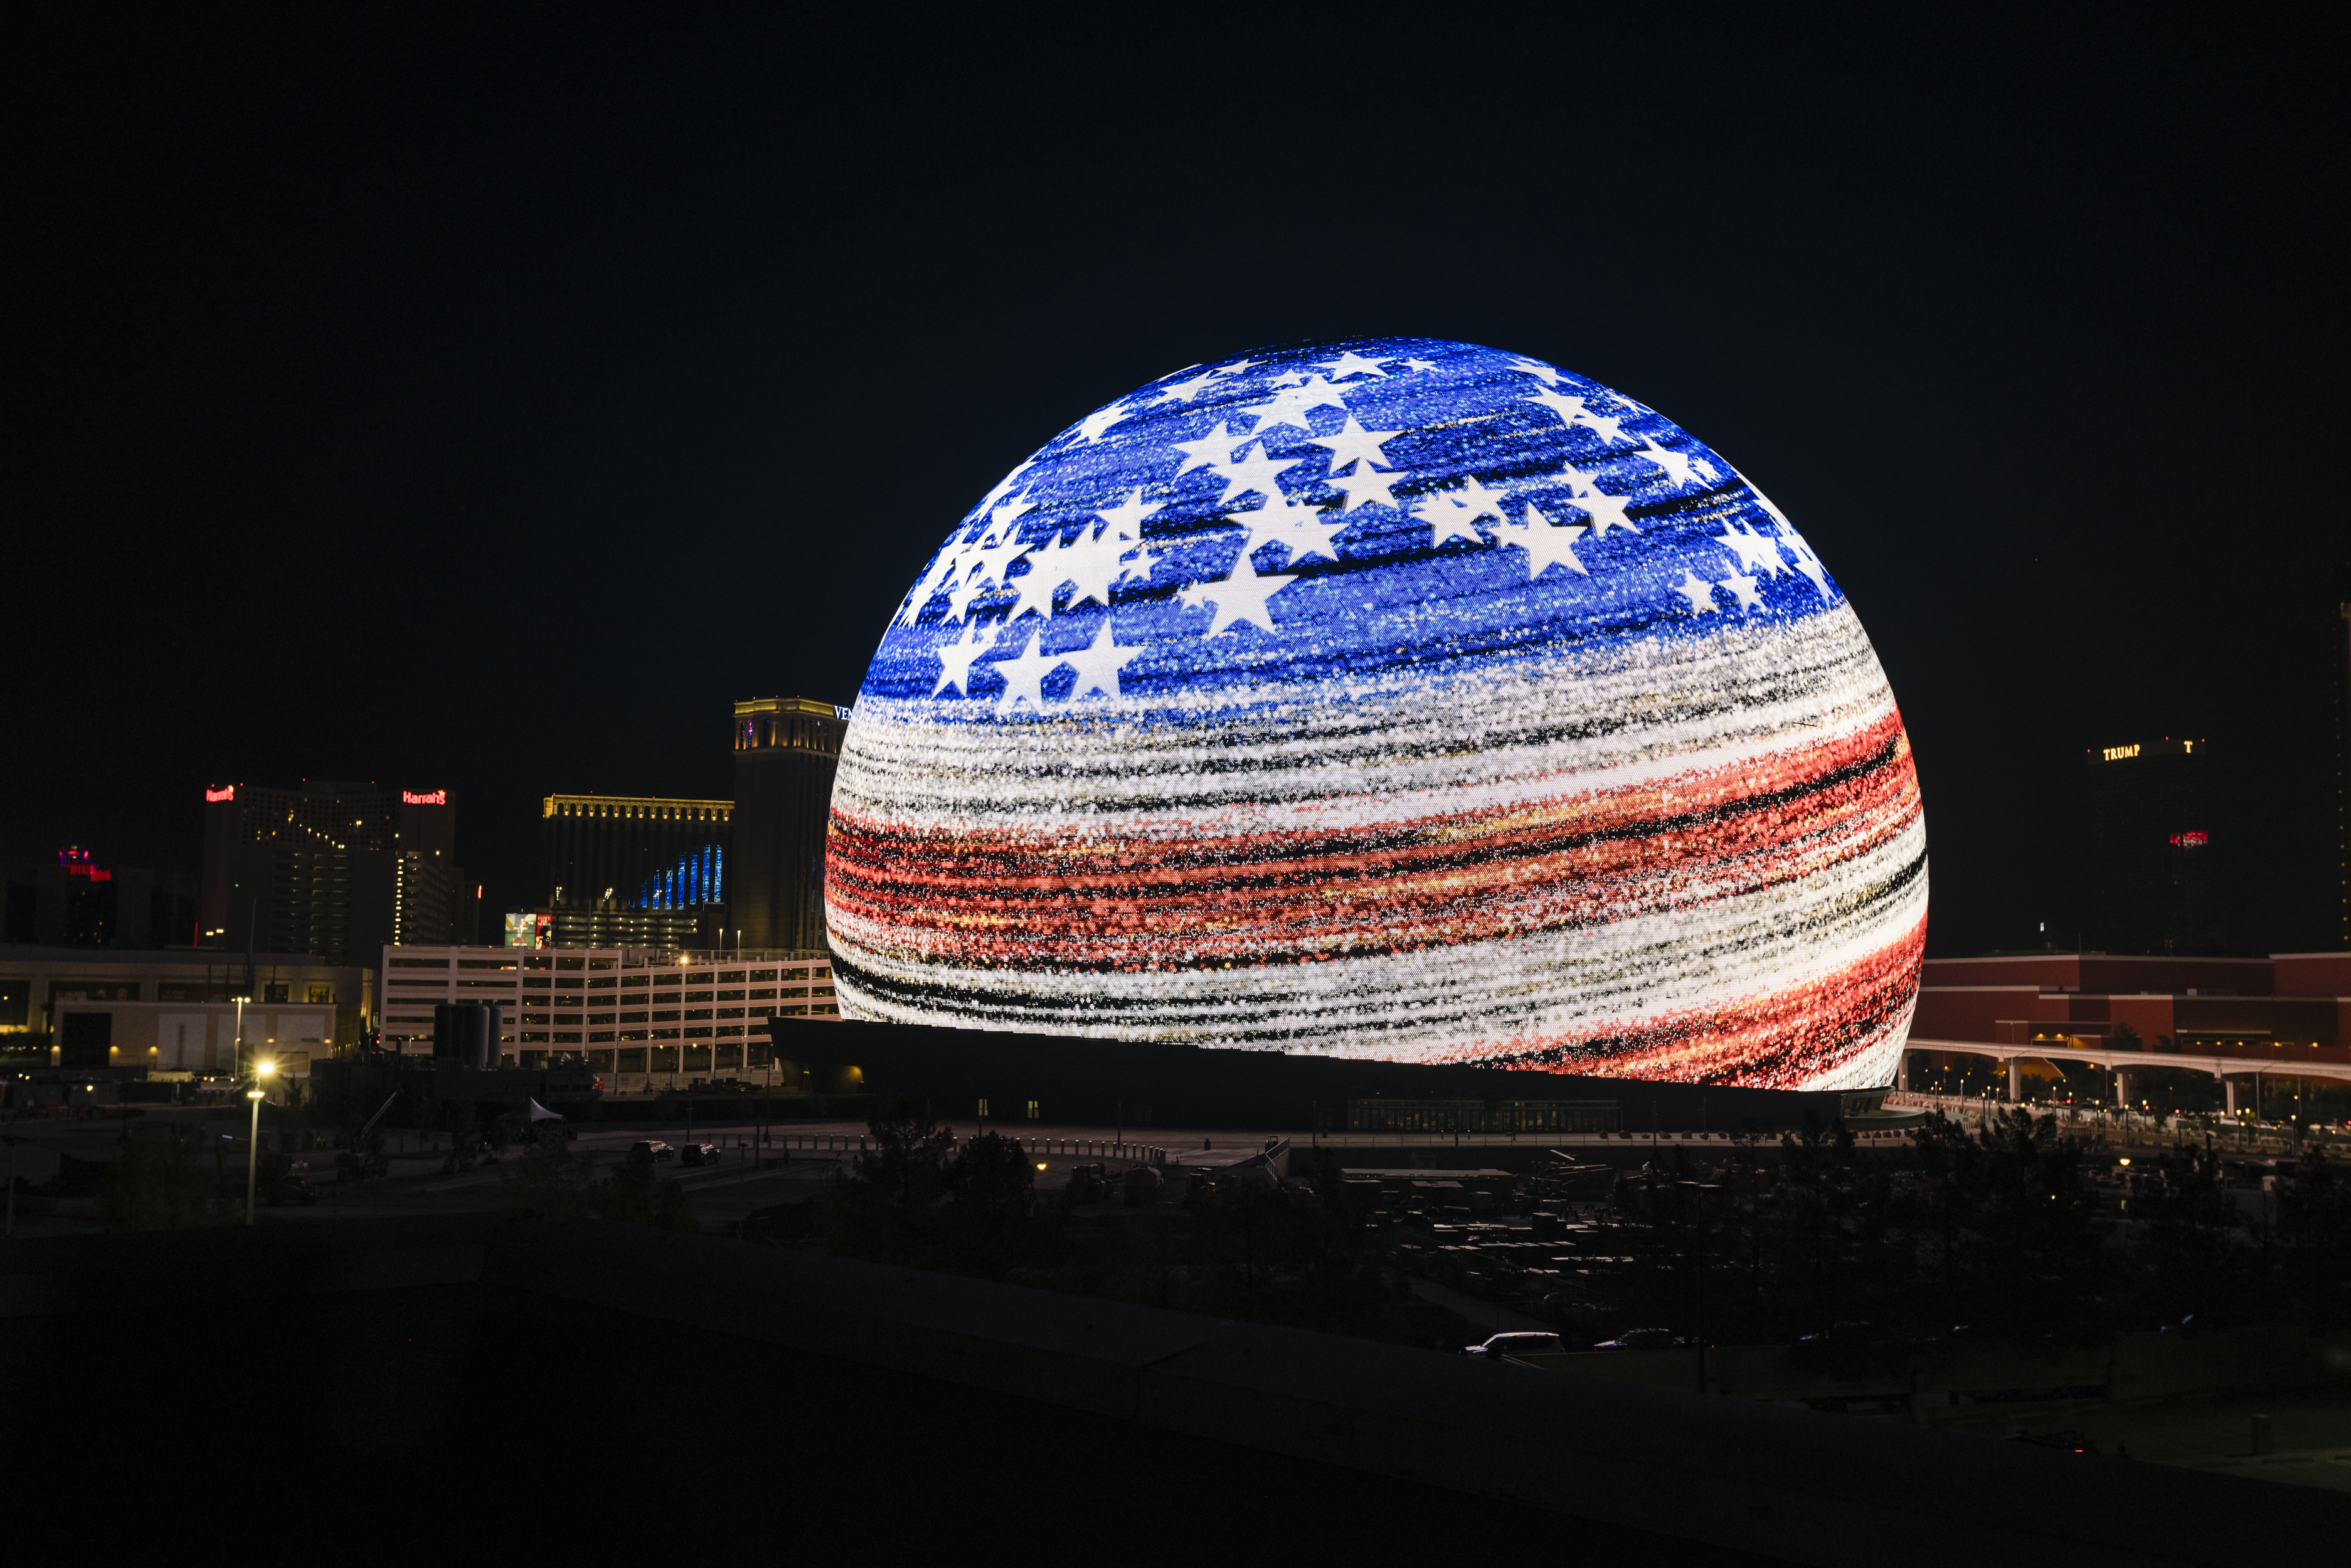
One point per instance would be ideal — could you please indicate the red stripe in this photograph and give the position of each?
(1003, 896)
(1772, 1041)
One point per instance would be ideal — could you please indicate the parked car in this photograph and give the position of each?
(1641, 1339)
(700, 1154)
(276, 1189)
(653, 1149)
(1527, 1343)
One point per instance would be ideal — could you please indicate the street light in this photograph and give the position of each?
(252, 1144)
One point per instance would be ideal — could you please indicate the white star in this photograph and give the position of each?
(1607, 511)
(1238, 367)
(1290, 406)
(1550, 375)
(1568, 407)
(1144, 564)
(1278, 518)
(1091, 428)
(1698, 590)
(1184, 392)
(1195, 595)
(1547, 544)
(960, 596)
(1350, 364)
(1449, 516)
(1481, 501)
(1807, 561)
(1754, 551)
(1242, 595)
(1307, 534)
(1003, 546)
(1366, 485)
(1420, 365)
(1125, 519)
(955, 659)
(1098, 664)
(1573, 410)
(1353, 444)
(1091, 563)
(941, 572)
(1259, 473)
(1609, 426)
(1678, 465)
(1743, 588)
(1209, 452)
(1049, 568)
(1005, 517)
(1023, 676)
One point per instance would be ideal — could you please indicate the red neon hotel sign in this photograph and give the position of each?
(437, 798)
(226, 793)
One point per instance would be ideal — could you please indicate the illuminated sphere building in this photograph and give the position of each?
(1393, 699)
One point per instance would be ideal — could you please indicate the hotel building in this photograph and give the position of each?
(786, 750)
(337, 869)
(630, 872)
(627, 1010)
(2150, 843)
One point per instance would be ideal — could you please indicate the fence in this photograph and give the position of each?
(1509, 1116)
(2133, 1126)
(1068, 1148)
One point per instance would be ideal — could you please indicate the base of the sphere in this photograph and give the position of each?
(1144, 1083)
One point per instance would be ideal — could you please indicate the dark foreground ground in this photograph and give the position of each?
(466, 1385)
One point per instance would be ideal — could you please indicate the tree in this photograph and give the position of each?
(549, 1178)
(155, 1185)
(993, 1172)
(881, 1206)
(633, 1195)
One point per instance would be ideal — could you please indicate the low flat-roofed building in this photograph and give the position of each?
(195, 1039)
(627, 1011)
(35, 982)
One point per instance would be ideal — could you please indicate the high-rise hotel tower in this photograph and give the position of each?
(786, 752)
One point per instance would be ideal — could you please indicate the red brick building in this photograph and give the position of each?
(2285, 1008)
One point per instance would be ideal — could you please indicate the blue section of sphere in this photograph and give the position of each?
(1392, 602)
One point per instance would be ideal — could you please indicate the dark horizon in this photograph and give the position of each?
(488, 403)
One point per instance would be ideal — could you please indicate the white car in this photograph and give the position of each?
(1502, 1344)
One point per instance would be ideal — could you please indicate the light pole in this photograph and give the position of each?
(252, 1144)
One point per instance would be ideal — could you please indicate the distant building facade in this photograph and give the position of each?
(338, 869)
(786, 750)
(627, 1009)
(2151, 841)
(199, 1040)
(76, 903)
(630, 872)
(156, 999)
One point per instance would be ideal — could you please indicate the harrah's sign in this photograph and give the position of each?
(437, 798)
(226, 793)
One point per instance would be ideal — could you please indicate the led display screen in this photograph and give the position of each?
(1395, 698)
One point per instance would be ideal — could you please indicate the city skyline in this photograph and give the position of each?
(434, 438)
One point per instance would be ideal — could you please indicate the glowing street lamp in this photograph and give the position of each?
(252, 1144)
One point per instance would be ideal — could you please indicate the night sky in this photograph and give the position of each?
(485, 403)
